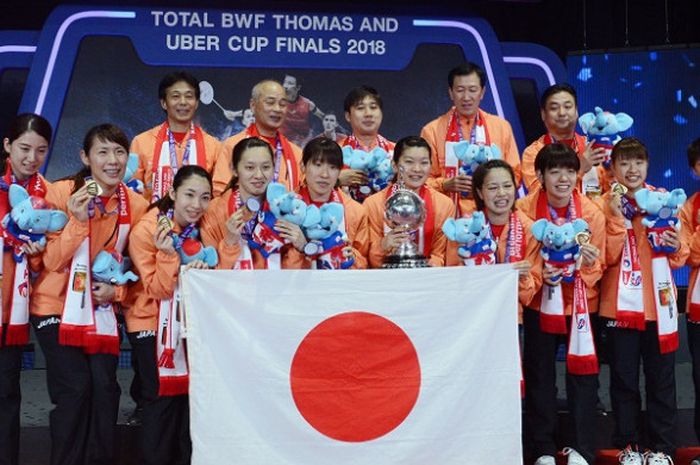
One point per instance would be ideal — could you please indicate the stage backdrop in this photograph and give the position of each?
(660, 89)
(103, 64)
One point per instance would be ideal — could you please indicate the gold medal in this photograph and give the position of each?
(619, 189)
(93, 189)
(584, 237)
(165, 223)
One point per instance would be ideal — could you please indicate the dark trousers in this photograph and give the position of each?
(165, 430)
(539, 366)
(10, 400)
(85, 393)
(694, 346)
(626, 348)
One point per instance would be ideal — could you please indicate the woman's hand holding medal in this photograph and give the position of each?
(291, 233)
(162, 238)
(589, 252)
(617, 192)
(78, 204)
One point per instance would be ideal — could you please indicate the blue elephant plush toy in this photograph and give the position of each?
(661, 209)
(326, 241)
(471, 156)
(382, 172)
(132, 164)
(604, 129)
(29, 220)
(109, 267)
(559, 248)
(281, 205)
(473, 234)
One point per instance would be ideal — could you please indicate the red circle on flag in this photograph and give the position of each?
(355, 376)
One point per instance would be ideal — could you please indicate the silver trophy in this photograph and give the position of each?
(405, 209)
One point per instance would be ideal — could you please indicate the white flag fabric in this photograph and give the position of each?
(366, 367)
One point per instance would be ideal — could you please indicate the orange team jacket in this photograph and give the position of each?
(530, 180)
(144, 145)
(212, 230)
(158, 273)
(500, 133)
(691, 234)
(591, 212)
(35, 264)
(356, 230)
(616, 232)
(374, 207)
(50, 286)
(222, 168)
(527, 287)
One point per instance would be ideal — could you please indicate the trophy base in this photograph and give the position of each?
(409, 261)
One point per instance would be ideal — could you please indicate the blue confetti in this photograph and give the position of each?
(679, 95)
(606, 56)
(638, 84)
(678, 119)
(693, 103)
(585, 74)
(653, 56)
(584, 59)
(691, 64)
(636, 68)
(615, 101)
(623, 79)
(668, 173)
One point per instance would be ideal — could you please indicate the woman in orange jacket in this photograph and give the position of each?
(412, 162)
(494, 190)
(231, 218)
(153, 321)
(321, 164)
(23, 152)
(73, 317)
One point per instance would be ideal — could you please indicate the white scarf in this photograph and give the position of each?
(173, 373)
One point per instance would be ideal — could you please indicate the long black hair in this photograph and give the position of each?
(25, 122)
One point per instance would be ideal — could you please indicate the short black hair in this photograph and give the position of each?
(629, 148)
(694, 152)
(465, 69)
(408, 142)
(556, 155)
(323, 150)
(172, 78)
(358, 94)
(555, 89)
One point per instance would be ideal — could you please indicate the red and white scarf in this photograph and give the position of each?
(82, 324)
(630, 293)
(581, 358)
(424, 234)
(335, 197)
(665, 293)
(552, 316)
(515, 243)
(590, 181)
(165, 163)
(694, 306)
(283, 154)
(171, 353)
(479, 135)
(17, 329)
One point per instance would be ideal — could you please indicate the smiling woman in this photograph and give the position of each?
(73, 316)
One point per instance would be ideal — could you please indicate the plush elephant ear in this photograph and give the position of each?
(210, 256)
(624, 121)
(461, 149)
(333, 210)
(642, 198)
(538, 228)
(57, 221)
(275, 190)
(580, 225)
(17, 194)
(347, 154)
(496, 152)
(129, 276)
(312, 216)
(585, 121)
(102, 262)
(678, 197)
(449, 227)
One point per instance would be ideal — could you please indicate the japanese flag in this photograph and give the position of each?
(371, 367)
